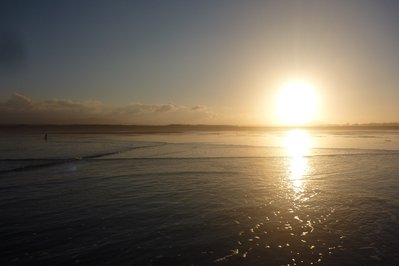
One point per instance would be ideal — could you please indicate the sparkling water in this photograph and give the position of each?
(200, 198)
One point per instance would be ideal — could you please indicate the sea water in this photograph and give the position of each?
(292, 197)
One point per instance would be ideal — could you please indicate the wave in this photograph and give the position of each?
(34, 163)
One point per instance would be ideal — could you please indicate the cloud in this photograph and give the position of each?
(18, 102)
(199, 108)
(20, 109)
(138, 108)
(167, 108)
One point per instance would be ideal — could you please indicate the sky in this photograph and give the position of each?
(197, 62)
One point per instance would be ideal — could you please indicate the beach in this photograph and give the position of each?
(205, 197)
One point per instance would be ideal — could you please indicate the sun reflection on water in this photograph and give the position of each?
(297, 144)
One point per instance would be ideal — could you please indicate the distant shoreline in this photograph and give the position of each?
(153, 129)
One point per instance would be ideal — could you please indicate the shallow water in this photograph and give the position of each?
(232, 198)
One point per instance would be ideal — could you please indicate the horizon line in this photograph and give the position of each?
(372, 124)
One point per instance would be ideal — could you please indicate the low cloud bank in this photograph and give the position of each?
(20, 109)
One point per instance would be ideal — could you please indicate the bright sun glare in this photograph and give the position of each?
(298, 144)
(296, 103)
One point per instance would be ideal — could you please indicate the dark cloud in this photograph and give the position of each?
(199, 108)
(21, 109)
(12, 51)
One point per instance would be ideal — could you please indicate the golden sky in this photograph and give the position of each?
(200, 62)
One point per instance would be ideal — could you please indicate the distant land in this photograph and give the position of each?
(178, 128)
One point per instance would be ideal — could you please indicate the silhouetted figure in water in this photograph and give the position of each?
(45, 137)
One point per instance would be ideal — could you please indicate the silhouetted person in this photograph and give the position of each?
(45, 137)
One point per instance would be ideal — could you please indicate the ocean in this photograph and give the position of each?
(276, 197)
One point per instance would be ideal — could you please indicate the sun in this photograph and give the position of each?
(296, 103)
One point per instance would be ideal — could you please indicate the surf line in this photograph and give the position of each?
(54, 162)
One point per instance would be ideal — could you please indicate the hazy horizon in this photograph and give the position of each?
(21, 110)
